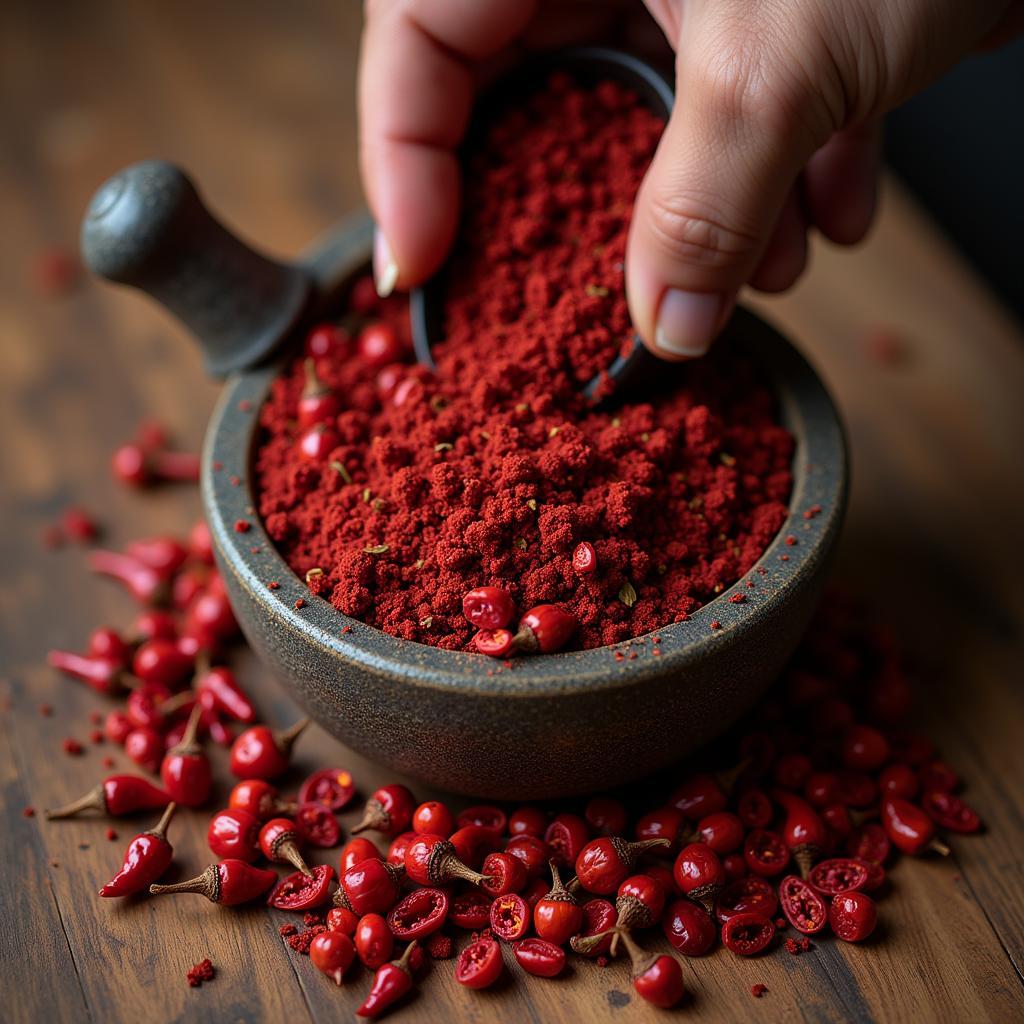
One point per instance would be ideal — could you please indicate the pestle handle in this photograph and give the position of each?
(147, 227)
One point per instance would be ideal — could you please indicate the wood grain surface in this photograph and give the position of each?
(257, 100)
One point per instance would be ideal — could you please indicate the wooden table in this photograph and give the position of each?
(257, 100)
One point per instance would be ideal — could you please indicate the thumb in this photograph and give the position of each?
(705, 212)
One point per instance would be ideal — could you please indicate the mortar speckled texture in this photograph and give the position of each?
(553, 725)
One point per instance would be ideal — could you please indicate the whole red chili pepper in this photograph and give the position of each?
(390, 983)
(259, 798)
(389, 810)
(144, 583)
(558, 916)
(699, 874)
(488, 607)
(140, 465)
(116, 795)
(105, 642)
(544, 629)
(279, 844)
(432, 860)
(103, 674)
(210, 619)
(228, 883)
(226, 694)
(185, 770)
(355, 851)
(234, 833)
(603, 863)
(148, 856)
(261, 753)
(658, 978)
(803, 832)
(370, 887)
(318, 403)
(164, 555)
(910, 828)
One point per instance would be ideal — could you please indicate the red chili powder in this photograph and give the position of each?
(492, 470)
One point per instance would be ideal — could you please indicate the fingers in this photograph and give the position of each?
(715, 191)
(841, 183)
(415, 94)
(785, 257)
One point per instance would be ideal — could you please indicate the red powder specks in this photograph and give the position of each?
(96, 717)
(203, 971)
(492, 470)
(96, 736)
(300, 603)
(737, 599)
(108, 762)
(812, 512)
(45, 710)
(273, 585)
(715, 624)
(439, 946)
(111, 834)
(28, 812)
(72, 747)
(287, 929)
(245, 405)
(791, 540)
(758, 990)
(241, 526)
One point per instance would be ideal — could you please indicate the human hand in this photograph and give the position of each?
(774, 131)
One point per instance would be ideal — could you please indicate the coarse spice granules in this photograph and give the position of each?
(491, 471)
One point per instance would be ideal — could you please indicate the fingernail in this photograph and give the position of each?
(687, 322)
(385, 269)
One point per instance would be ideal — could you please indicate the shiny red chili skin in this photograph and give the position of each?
(105, 642)
(735, 866)
(539, 958)
(937, 775)
(664, 877)
(528, 821)
(332, 954)
(869, 842)
(495, 643)
(566, 836)
(488, 607)
(301, 892)
(545, 629)
(116, 727)
(374, 941)
(148, 856)
(484, 816)
(864, 748)
(898, 780)
(839, 874)
(334, 788)
(317, 403)
(479, 964)
(116, 796)
(470, 910)
(722, 831)
(341, 919)
(509, 917)
(698, 796)
(160, 661)
(750, 895)
(143, 706)
(506, 873)
(664, 823)
(557, 917)
(226, 693)
(399, 846)
(821, 788)
(949, 812)
(534, 892)
(747, 934)
(317, 826)
(803, 906)
(317, 442)
(853, 916)
(228, 884)
(689, 928)
(605, 816)
(837, 818)
(584, 558)
(907, 826)
(145, 747)
(698, 870)
(377, 345)
(371, 887)
(187, 776)
(472, 843)
(765, 853)
(420, 913)
(433, 818)
(260, 798)
(533, 852)
(857, 789)
(391, 982)
(389, 810)
(355, 851)
(234, 833)
(661, 984)
(431, 860)
(327, 340)
(602, 864)
(640, 891)
(598, 916)
(256, 755)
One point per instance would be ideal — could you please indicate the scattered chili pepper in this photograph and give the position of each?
(186, 771)
(148, 856)
(391, 983)
(301, 892)
(558, 916)
(116, 795)
(202, 971)
(389, 810)
(228, 883)
(261, 753)
(140, 466)
(102, 674)
(278, 841)
(332, 954)
(419, 913)
(603, 863)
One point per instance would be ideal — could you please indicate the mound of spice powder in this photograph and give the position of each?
(491, 470)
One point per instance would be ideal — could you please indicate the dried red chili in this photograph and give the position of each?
(420, 913)
(299, 891)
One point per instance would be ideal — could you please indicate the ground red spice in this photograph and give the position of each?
(287, 929)
(203, 971)
(758, 990)
(72, 747)
(304, 939)
(439, 946)
(492, 470)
